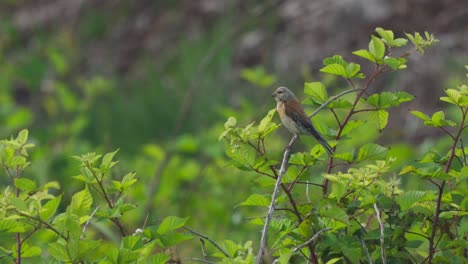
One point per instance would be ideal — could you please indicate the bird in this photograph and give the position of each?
(294, 118)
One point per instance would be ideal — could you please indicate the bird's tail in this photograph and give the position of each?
(325, 144)
(322, 142)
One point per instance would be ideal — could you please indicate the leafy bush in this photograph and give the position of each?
(363, 214)
(348, 208)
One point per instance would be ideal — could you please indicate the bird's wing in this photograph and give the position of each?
(294, 110)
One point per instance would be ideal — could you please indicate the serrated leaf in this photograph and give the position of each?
(335, 59)
(365, 54)
(350, 126)
(81, 202)
(420, 115)
(171, 223)
(285, 255)
(266, 125)
(346, 156)
(335, 69)
(382, 119)
(160, 258)
(387, 35)
(22, 136)
(399, 42)
(371, 151)
(407, 169)
(26, 185)
(394, 63)
(340, 104)
(377, 48)
(409, 198)
(49, 208)
(256, 200)
(231, 122)
(317, 91)
(352, 70)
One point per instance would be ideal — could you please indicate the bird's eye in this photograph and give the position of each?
(280, 92)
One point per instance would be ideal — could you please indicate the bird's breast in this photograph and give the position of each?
(286, 120)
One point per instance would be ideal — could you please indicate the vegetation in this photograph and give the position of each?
(368, 203)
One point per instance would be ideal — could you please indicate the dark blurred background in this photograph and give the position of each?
(157, 79)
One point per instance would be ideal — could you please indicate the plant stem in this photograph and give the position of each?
(435, 221)
(271, 208)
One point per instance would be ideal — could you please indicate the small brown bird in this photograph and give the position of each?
(294, 118)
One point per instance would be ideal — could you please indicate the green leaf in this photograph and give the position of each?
(335, 69)
(371, 151)
(334, 260)
(107, 160)
(317, 91)
(256, 200)
(258, 76)
(399, 42)
(49, 209)
(231, 122)
(387, 35)
(420, 115)
(346, 156)
(28, 251)
(382, 119)
(377, 48)
(409, 198)
(266, 126)
(389, 99)
(22, 136)
(365, 54)
(351, 125)
(81, 203)
(285, 255)
(26, 185)
(171, 223)
(336, 59)
(243, 156)
(352, 69)
(58, 251)
(334, 212)
(160, 258)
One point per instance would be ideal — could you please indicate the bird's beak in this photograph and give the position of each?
(273, 94)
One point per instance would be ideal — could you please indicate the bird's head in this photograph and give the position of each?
(283, 94)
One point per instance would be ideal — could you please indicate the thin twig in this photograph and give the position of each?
(307, 192)
(366, 250)
(312, 239)
(271, 208)
(203, 249)
(382, 234)
(333, 98)
(87, 223)
(209, 239)
(201, 260)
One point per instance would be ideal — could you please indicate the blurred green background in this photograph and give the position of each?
(157, 79)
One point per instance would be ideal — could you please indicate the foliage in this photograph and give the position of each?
(364, 214)
(360, 212)
(43, 227)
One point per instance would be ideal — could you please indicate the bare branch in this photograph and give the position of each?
(312, 239)
(382, 234)
(333, 98)
(201, 260)
(271, 208)
(209, 239)
(87, 223)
